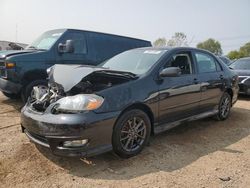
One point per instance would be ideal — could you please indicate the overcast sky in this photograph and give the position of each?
(225, 20)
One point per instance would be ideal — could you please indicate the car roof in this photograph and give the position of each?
(174, 48)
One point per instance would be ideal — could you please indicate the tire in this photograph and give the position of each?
(27, 91)
(131, 133)
(11, 95)
(224, 107)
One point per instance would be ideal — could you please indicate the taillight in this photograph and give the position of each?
(10, 65)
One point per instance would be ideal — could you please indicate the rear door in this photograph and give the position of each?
(211, 76)
(179, 97)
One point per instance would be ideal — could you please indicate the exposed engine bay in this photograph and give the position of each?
(82, 80)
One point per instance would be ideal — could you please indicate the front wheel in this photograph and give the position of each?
(224, 107)
(131, 133)
(28, 90)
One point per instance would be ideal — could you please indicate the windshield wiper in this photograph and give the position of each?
(32, 47)
(35, 48)
(129, 75)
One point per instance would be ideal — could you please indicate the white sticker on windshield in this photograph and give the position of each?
(152, 51)
(56, 34)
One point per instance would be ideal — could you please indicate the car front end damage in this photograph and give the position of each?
(63, 117)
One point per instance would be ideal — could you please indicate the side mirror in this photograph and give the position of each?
(68, 47)
(170, 72)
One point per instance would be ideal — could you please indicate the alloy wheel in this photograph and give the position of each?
(133, 134)
(225, 107)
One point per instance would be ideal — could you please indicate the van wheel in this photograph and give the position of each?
(131, 133)
(11, 95)
(224, 107)
(28, 90)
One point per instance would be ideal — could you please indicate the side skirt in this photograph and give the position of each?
(164, 127)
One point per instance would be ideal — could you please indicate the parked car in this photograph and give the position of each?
(20, 71)
(242, 68)
(225, 60)
(120, 103)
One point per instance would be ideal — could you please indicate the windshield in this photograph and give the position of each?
(241, 64)
(46, 40)
(136, 61)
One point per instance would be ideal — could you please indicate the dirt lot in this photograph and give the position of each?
(204, 153)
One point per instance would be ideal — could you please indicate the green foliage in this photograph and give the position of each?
(179, 39)
(160, 42)
(244, 51)
(211, 45)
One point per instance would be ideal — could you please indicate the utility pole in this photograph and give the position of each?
(16, 32)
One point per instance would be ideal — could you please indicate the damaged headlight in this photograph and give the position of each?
(79, 103)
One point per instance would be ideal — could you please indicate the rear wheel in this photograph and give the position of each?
(11, 95)
(224, 107)
(131, 133)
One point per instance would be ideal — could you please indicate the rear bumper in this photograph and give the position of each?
(9, 87)
(52, 131)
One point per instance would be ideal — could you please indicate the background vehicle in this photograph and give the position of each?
(242, 68)
(20, 71)
(225, 60)
(119, 104)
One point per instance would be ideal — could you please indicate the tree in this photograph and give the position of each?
(160, 42)
(211, 45)
(179, 39)
(234, 55)
(244, 51)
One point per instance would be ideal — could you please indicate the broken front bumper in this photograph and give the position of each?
(52, 131)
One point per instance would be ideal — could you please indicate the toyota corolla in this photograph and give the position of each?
(118, 105)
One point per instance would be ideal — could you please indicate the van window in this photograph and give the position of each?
(205, 62)
(79, 42)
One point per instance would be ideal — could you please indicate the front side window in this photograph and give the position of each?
(205, 63)
(137, 61)
(79, 42)
(183, 61)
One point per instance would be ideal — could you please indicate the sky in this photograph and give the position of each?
(225, 20)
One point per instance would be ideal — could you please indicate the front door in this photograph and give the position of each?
(179, 97)
(80, 54)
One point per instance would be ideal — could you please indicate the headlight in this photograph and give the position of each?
(79, 103)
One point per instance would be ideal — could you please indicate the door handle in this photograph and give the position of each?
(196, 81)
(221, 77)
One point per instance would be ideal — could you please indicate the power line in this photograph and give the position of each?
(226, 38)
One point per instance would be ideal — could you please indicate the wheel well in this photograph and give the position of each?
(34, 75)
(143, 108)
(230, 92)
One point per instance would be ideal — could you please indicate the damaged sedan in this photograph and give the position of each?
(118, 105)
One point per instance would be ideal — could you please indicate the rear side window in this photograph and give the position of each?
(79, 42)
(205, 63)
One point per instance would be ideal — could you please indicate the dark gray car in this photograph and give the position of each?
(118, 105)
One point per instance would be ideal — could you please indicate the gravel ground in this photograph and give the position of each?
(205, 153)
